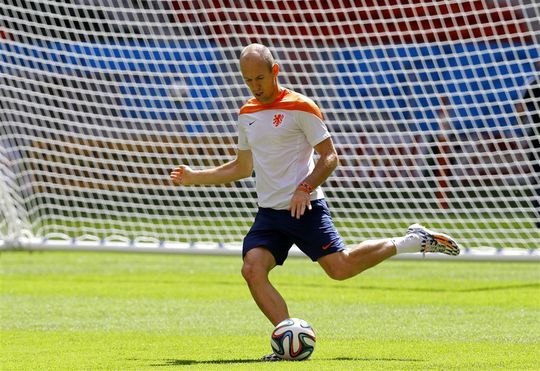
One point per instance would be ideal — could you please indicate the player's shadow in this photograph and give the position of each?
(188, 362)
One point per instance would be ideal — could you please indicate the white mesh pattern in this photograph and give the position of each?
(426, 100)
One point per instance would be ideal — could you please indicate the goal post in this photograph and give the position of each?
(432, 105)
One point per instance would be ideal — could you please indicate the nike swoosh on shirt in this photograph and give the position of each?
(251, 123)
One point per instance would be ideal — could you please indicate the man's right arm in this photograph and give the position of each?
(239, 168)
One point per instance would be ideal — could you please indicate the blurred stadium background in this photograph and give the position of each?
(433, 106)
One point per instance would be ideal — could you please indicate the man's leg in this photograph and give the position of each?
(345, 264)
(348, 263)
(258, 263)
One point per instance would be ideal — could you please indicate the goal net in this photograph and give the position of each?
(432, 105)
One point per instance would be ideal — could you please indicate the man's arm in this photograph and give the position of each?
(327, 162)
(239, 168)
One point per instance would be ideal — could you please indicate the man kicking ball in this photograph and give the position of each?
(278, 132)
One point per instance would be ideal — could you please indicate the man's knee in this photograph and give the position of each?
(337, 273)
(251, 272)
(257, 264)
(337, 266)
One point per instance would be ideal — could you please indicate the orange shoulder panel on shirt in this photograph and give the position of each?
(289, 100)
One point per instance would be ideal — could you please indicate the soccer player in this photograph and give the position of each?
(278, 132)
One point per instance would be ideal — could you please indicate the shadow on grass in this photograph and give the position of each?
(187, 362)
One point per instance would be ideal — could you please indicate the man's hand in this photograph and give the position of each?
(300, 200)
(326, 163)
(182, 175)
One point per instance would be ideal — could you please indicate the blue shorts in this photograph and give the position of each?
(276, 230)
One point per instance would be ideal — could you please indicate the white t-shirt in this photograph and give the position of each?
(281, 136)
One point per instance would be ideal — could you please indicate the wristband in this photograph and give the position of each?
(305, 187)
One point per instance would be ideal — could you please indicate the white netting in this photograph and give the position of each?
(427, 102)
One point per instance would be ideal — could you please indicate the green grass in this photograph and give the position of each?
(107, 311)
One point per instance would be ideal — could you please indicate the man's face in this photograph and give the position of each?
(260, 79)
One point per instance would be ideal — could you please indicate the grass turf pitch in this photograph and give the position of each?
(114, 311)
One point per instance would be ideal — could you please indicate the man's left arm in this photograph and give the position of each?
(327, 162)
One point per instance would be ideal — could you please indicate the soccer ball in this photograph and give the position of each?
(293, 339)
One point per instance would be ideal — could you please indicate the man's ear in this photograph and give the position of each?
(275, 69)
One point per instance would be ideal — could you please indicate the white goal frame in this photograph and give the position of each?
(431, 106)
